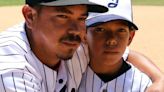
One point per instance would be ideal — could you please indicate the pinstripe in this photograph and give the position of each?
(24, 83)
(69, 71)
(133, 80)
(14, 37)
(73, 73)
(107, 86)
(11, 62)
(15, 43)
(124, 82)
(148, 83)
(13, 81)
(101, 84)
(4, 46)
(86, 80)
(3, 83)
(79, 61)
(140, 82)
(115, 85)
(147, 86)
(11, 69)
(9, 55)
(93, 83)
(45, 78)
(33, 84)
(27, 69)
(67, 77)
(84, 52)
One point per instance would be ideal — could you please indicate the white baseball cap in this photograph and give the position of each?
(118, 10)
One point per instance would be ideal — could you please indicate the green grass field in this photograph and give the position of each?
(149, 2)
(135, 2)
(11, 2)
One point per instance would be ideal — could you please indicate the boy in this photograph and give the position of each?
(108, 36)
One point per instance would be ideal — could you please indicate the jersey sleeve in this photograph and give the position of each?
(14, 69)
(19, 81)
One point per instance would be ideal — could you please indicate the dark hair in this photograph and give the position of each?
(131, 27)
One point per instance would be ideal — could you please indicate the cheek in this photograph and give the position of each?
(123, 42)
(95, 45)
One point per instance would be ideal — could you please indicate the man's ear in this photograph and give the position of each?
(131, 35)
(28, 13)
(84, 40)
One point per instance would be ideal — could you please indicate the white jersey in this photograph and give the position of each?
(132, 80)
(21, 71)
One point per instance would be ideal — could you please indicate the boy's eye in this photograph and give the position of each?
(121, 30)
(99, 30)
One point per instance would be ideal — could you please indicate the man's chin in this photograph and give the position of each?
(65, 57)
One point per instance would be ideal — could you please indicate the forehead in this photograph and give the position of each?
(74, 9)
(114, 22)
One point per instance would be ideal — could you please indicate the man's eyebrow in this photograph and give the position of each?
(85, 14)
(62, 10)
(65, 10)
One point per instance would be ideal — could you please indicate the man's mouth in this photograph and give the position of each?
(71, 43)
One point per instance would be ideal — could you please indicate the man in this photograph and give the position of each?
(32, 54)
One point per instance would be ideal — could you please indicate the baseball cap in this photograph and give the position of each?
(118, 10)
(92, 7)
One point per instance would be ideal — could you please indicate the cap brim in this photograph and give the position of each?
(97, 8)
(97, 20)
(92, 7)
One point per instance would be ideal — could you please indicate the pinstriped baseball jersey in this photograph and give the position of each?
(132, 80)
(21, 71)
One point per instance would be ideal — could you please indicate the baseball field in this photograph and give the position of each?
(149, 39)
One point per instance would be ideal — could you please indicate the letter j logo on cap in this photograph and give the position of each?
(113, 3)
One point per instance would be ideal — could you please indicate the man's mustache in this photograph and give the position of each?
(73, 38)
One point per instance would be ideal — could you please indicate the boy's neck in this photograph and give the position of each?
(101, 68)
(108, 73)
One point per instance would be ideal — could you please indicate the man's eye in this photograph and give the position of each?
(99, 30)
(62, 16)
(82, 19)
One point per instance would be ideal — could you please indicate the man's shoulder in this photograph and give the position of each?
(14, 37)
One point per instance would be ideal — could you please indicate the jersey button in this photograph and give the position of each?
(104, 90)
(73, 90)
(60, 81)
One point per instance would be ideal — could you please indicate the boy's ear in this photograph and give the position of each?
(131, 35)
(28, 13)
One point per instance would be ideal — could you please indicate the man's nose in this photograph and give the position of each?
(75, 28)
